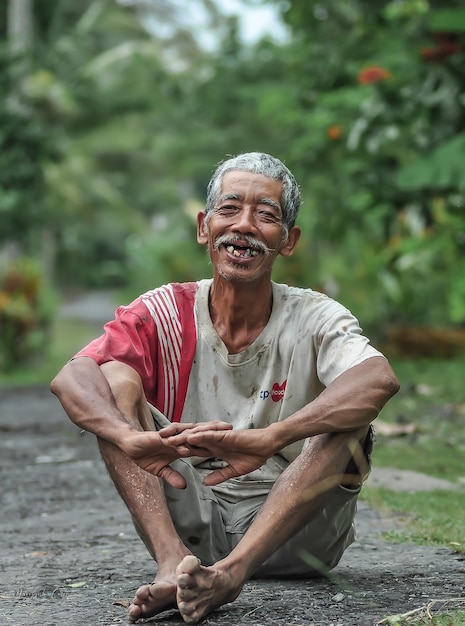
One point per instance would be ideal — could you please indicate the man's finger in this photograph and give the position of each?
(182, 450)
(219, 476)
(180, 443)
(211, 426)
(174, 478)
(174, 429)
(204, 438)
(186, 451)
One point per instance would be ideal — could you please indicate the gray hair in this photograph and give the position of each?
(266, 165)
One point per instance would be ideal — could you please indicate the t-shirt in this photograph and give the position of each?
(167, 335)
(156, 335)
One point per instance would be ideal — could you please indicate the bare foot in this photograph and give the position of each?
(201, 589)
(154, 598)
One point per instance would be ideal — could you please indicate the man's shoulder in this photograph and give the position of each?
(307, 304)
(171, 301)
(174, 292)
(305, 295)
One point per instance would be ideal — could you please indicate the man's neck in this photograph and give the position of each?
(239, 311)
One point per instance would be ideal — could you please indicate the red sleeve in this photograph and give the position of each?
(130, 338)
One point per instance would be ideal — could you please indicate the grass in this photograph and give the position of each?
(450, 618)
(432, 517)
(433, 398)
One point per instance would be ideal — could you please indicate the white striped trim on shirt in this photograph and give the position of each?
(162, 306)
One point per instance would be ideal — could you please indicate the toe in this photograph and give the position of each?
(190, 619)
(184, 581)
(134, 613)
(142, 594)
(187, 612)
(185, 595)
(189, 565)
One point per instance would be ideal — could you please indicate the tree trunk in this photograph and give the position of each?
(19, 25)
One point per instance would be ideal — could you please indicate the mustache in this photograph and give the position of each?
(251, 242)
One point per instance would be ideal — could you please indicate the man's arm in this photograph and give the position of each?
(86, 396)
(350, 402)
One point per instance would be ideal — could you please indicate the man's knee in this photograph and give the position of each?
(347, 453)
(359, 465)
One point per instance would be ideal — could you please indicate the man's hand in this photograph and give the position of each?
(178, 431)
(243, 450)
(154, 454)
(154, 451)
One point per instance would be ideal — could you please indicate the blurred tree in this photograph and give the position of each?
(21, 142)
(94, 82)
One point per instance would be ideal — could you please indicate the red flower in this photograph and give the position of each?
(440, 52)
(373, 74)
(334, 132)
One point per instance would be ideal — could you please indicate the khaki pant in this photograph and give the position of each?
(211, 526)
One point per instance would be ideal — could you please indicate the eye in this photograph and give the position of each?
(227, 209)
(265, 215)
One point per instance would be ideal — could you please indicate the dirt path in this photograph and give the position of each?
(69, 551)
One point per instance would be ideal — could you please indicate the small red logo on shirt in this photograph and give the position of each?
(277, 391)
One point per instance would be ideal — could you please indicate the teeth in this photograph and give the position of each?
(232, 250)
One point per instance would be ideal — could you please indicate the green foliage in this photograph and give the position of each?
(441, 169)
(26, 309)
(84, 85)
(164, 255)
(23, 143)
(380, 153)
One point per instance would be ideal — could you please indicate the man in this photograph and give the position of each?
(233, 414)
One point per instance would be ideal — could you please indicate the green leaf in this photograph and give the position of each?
(449, 20)
(442, 169)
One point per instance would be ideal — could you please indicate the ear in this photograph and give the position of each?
(288, 247)
(202, 229)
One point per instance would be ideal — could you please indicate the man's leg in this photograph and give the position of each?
(319, 545)
(299, 493)
(143, 495)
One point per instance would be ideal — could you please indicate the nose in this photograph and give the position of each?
(244, 221)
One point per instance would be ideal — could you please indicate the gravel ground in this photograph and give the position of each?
(69, 552)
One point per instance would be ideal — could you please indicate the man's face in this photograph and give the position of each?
(244, 231)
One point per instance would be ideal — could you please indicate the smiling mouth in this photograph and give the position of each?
(242, 252)
(242, 247)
